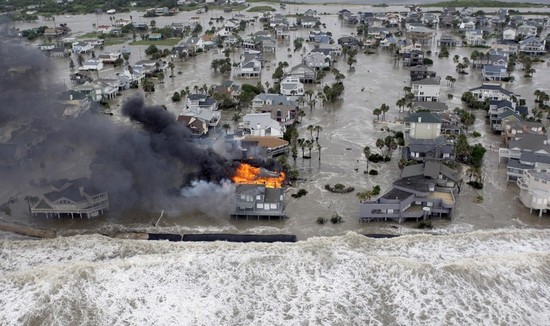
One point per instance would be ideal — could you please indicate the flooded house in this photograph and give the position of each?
(71, 198)
(258, 202)
(424, 139)
(534, 188)
(423, 190)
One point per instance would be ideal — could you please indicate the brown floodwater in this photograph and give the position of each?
(348, 126)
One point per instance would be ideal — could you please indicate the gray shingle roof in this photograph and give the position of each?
(424, 117)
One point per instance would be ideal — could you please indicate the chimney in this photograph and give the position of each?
(419, 119)
(70, 97)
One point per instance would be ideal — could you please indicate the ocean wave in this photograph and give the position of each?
(481, 278)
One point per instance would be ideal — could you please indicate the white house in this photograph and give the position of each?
(270, 99)
(426, 90)
(202, 101)
(467, 26)
(493, 72)
(422, 125)
(492, 92)
(110, 57)
(261, 124)
(210, 118)
(534, 188)
(532, 45)
(250, 66)
(317, 60)
(509, 34)
(291, 86)
(82, 47)
(92, 64)
(475, 37)
(526, 31)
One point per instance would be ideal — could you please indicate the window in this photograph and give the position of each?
(273, 206)
(260, 206)
(258, 197)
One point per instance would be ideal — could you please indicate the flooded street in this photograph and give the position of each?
(348, 126)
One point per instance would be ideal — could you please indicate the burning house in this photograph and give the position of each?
(258, 193)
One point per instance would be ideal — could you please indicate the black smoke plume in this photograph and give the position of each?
(171, 138)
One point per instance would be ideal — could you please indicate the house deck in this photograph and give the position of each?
(258, 215)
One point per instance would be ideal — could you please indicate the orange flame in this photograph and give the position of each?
(247, 174)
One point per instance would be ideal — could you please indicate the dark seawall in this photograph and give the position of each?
(209, 237)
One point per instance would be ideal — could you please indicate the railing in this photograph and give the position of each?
(74, 210)
(95, 203)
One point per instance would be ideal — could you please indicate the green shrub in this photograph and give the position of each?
(476, 134)
(475, 184)
(339, 188)
(176, 97)
(373, 172)
(322, 220)
(425, 225)
(336, 219)
(300, 193)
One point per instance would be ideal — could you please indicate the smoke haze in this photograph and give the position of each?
(142, 164)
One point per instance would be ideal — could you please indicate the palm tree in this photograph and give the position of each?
(366, 152)
(171, 66)
(380, 144)
(310, 129)
(364, 195)
(377, 112)
(391, 144)
(460, 67)
(322, 97)
(301, 143)
(71, 64)
(317, 129)
(319, 150)
(309, 145)
(226, 127)
(453, 81)
(160, 77)
(401, 103)
(301, 115)
(384, 108)
(309, 94)
(294, 150)
(147, 85)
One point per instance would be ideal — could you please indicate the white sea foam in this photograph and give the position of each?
(479, 278)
